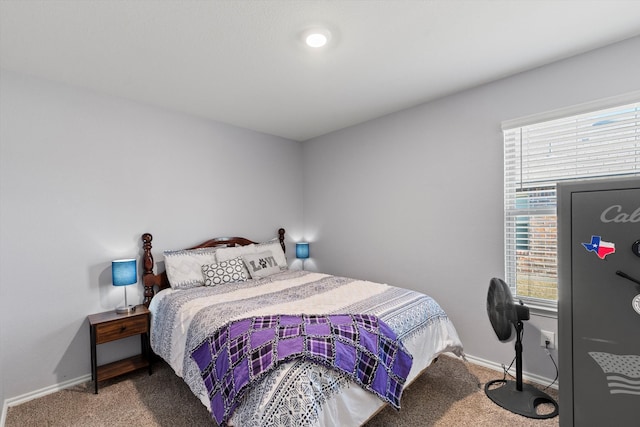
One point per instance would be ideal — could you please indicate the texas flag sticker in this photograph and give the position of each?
(600, 247)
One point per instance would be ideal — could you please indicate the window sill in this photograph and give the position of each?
(539, 309)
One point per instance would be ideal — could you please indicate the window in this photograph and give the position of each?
(599, 144)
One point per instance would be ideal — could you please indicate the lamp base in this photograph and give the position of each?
(127, 309)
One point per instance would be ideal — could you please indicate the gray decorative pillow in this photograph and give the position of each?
(224, 272)
(262, 264)
(184, 266)
(277, 252)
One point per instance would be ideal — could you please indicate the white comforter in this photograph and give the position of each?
(298, 393)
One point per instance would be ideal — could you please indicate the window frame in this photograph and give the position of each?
(514, 227)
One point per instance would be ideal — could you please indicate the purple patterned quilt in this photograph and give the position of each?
(242, 351)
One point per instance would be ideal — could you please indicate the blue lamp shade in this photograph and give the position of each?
(124, 272)
(302, 250)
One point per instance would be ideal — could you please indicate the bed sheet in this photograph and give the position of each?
(299, 392)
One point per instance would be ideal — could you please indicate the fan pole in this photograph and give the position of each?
(519, 328)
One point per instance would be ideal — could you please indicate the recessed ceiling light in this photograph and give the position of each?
(316, 40)
(317, 37)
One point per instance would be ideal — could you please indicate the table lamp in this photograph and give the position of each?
(124, 273)
(302, 251)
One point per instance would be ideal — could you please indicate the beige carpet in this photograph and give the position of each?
(450, 393)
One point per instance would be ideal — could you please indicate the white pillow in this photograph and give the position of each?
(225, 254)
(276, 251)
(184, 267)
(224, 272)
(261, 264)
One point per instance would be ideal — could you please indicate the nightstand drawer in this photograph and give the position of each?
(122, 328)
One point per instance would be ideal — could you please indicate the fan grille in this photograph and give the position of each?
(501, 309)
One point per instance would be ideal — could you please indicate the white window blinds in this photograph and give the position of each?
(600, 144)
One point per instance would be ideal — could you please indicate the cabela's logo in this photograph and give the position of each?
(616, 214)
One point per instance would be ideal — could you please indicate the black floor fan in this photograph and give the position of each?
(522, 399)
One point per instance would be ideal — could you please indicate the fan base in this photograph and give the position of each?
(522, 402)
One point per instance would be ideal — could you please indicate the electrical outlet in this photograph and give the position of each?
(547, 336)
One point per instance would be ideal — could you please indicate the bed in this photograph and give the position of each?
(208, 291)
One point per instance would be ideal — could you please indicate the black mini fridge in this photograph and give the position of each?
(599, 302)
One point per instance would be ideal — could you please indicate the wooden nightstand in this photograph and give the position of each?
(111, 326)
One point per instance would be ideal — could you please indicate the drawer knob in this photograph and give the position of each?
(123, 328)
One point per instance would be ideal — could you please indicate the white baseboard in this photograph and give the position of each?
(525, 376)
(40, 393)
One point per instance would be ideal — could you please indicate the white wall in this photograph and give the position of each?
(82, 176)
(415, 198)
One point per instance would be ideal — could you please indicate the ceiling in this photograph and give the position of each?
(243, 62)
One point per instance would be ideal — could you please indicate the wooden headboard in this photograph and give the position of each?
(156, 282)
